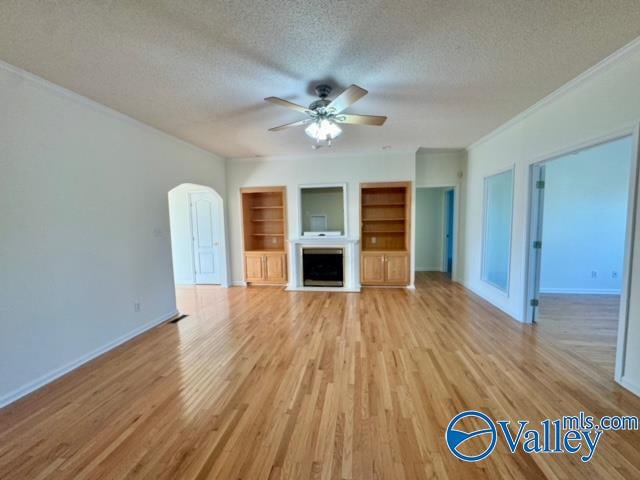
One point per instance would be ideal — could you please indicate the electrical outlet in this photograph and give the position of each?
(273, 240)
(594, 274)
(136, 307)
(374, 240)
(614, 274)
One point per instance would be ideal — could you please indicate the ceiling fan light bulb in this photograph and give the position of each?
(323, 130)
(312, 130)
(331, 129)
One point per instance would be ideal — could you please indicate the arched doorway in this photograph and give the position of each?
(198, 245)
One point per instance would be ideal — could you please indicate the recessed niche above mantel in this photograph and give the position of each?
(323, 210)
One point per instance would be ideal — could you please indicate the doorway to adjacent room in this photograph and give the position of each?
(435, 230)
(578, 257)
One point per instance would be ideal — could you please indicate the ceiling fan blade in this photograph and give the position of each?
(299, 123)
(286, 103)
(361, 119)
(347, 98)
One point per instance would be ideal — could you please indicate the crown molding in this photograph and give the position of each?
(451, 151)
(596, 69)
(98, 107)
(323, 156)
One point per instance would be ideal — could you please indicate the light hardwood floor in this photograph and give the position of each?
(261, 383)
(584, 326)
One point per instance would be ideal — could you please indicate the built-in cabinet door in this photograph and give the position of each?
(384, 268)
(397, 268)
(254, 267)
(372, 268)
(276, 267)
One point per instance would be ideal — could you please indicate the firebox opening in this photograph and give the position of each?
(323, 267)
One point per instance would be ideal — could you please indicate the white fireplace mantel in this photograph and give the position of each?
(351, 252)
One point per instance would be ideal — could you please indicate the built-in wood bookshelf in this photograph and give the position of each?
(264, 214)
(385, 233)
(385, 216)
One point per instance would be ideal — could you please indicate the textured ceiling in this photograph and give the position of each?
(444, 72)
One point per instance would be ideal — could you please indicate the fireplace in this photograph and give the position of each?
(323, 267)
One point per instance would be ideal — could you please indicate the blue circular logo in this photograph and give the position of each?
(455, 438)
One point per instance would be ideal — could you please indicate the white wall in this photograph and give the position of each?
(585, 219)
(85, 227)
(311, 169)
(601, 102)
(429, 229)
(439, 168)
(181, 236)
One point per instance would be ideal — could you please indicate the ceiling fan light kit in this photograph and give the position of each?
(324, 115)
(323, 130)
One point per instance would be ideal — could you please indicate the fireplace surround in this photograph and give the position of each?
(350, 262)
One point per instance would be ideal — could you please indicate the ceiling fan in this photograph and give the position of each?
(324, 114)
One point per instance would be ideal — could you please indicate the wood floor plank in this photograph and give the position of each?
(259, 383)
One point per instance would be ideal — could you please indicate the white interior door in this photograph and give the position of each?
(205, 222)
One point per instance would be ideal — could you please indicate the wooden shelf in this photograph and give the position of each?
(385, 214)
(386, 250)
(264, 216)
(402, 204)
(372, 220)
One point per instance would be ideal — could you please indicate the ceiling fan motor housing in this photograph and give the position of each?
(323, 90)
(322, 103)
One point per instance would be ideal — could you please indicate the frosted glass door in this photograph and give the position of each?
(498, 205)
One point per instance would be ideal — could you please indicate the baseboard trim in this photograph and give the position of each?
(238, 283)
(581, 291)
(632, 387)
(429, 269)
(482, 295)
(68, 367)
